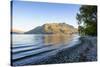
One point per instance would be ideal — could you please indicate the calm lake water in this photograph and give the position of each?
(31, 49)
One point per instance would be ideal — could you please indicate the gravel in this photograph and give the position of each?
(86, 51)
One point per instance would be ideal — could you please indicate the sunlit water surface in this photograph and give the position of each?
(28, 49)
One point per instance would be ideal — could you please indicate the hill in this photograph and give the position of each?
(53, 28)
(16, 31)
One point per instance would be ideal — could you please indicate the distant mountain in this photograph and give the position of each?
(53, 28)
(16, 31)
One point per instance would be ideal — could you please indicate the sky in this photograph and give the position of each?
(28, 15)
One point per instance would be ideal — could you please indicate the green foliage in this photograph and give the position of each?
(87, 20)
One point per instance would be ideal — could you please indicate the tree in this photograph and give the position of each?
(87, 20)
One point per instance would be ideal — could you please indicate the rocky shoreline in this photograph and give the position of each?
(86, 51)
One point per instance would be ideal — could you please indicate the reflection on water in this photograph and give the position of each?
(57, 39)
(29, 49)
(43, 39)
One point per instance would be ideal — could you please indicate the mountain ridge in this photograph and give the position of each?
(53, 28)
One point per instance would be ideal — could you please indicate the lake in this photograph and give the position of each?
(35, 48)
